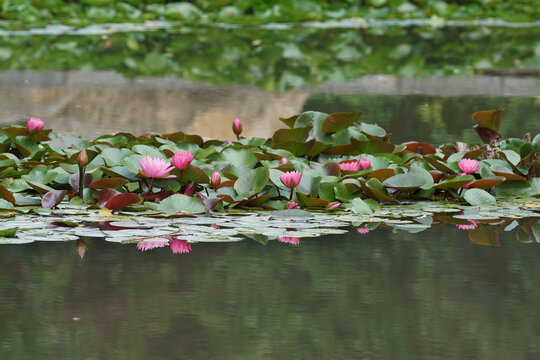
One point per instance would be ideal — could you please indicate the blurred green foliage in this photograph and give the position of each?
(31, 13)
(281, 59)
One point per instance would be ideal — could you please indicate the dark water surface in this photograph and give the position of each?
(384, 295)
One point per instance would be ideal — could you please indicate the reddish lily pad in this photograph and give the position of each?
(381, 174)
(338, 121)
(106, 195)
(311, 201)
(420, 147)
(52, 198)
(487, 183)
(7, 195)
(108, 183)
(122, 200)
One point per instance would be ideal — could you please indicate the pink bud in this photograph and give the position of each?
(292, 205)
(83, 158)
(334, 205)
(81, 247)
(365, 163)
(237, 127)
(284, 161)
(34, 125)
(216, 179)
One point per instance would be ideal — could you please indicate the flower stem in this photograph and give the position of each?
(81, 182)
(149, 187)
(292, 192)
(180, 178)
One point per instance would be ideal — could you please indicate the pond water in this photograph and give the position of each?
(382, 295)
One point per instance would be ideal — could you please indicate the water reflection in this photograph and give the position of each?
(432, 295)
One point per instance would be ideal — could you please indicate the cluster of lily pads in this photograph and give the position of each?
(332, 163)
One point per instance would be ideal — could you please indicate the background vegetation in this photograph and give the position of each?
(40, 12)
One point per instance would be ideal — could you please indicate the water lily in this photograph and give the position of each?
(216, 179)
(284, 160)
(350, 165)
(291, 179)
(365, 163)
(149, 245)
(289, 240)
(83, 158)
(237, 128)
(179, 246)
(362, 230)
(181, 160)
(155, 167)
(34, 125)
(468, 166)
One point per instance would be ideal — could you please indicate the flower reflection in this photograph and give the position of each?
(472, 226)
(149, 245)
(179, 246)
(289, 240)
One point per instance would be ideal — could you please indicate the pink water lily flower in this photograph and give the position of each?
(149, 245)
(179, 246)
(284, 160)
(182, 160)
(363, 230)
(468, 166)
(155, 167)
(289, 240)
(34, 125)
(350, 165)
(365, 163)
(291, 179)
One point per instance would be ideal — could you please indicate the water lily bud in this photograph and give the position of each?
(237, 127)
(83, 158)
(34, 125)
(284, 160)
(216, 179)
(292, 205)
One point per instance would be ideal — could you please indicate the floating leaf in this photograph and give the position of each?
(8, 232)
(478, 197)
(180, 202)
(360, 207)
